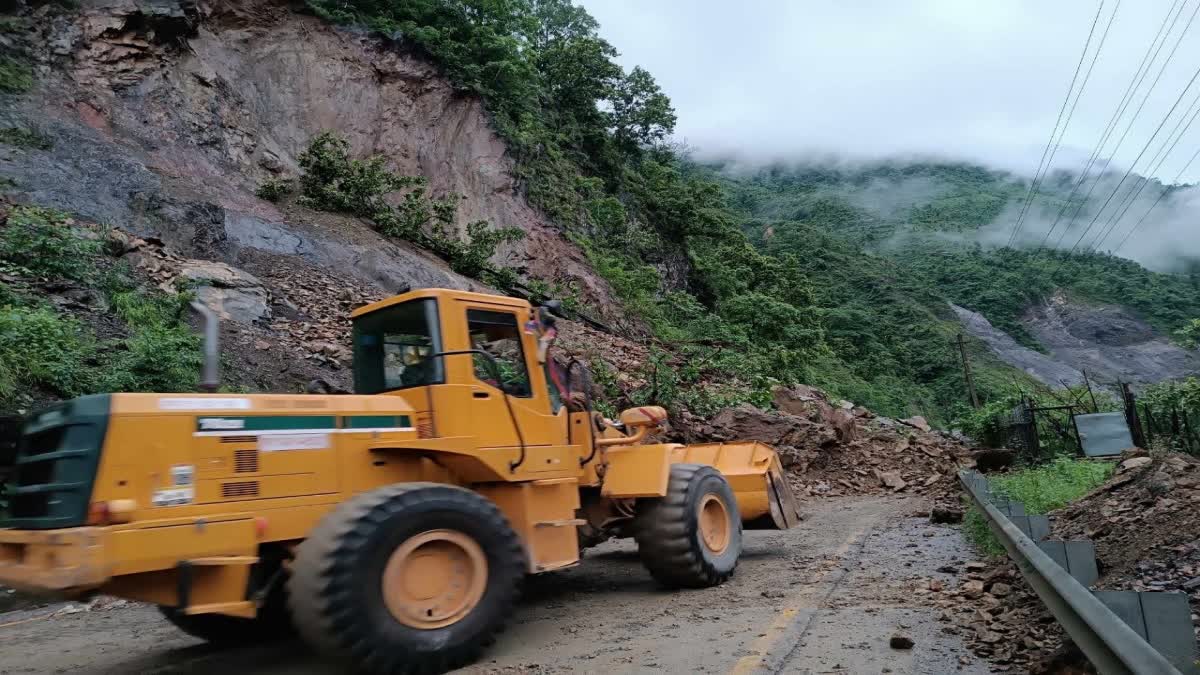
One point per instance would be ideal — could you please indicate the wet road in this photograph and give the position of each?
(825, 597)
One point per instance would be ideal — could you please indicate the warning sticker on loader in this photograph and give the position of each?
(283, 442)
(174, 496)
(181, 474)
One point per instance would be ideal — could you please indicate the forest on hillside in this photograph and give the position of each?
(774, 276)
(838, 277)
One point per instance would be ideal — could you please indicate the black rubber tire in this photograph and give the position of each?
(335, 592)
(668, 535)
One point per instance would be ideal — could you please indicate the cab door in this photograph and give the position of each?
(499, 331)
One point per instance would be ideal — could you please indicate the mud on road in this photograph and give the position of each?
(826, 597)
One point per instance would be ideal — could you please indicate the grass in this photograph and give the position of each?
(1041, 489)
(46, 352)
(16, 77)
(25, 138)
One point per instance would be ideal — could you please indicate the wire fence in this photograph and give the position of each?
(1172, 428)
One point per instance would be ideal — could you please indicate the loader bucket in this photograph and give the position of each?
(756, 475)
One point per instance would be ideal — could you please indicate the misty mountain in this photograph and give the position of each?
(886, 205)
(889, 242)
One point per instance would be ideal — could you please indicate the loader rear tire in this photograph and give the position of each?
(692, 537)
(409, 578)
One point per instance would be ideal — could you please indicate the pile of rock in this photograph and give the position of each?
(1145, 522)
(1001, 619)
(833, 448)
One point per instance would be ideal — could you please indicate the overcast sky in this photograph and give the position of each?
(798, 79)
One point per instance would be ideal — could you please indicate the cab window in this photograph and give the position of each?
(499, 335)
(392, 347)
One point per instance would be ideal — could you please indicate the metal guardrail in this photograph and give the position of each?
(1110, 644)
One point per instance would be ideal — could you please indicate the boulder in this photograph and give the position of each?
(891, 479)
(774, 428)
(802, 401)
(942, 513)
(235, 295)
(1133, 463)
(917, 422)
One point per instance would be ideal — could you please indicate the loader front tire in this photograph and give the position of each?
(416, 577)
(692, 536)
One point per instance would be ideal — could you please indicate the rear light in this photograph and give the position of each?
(115, 511)
(98, 513)
(121, 510)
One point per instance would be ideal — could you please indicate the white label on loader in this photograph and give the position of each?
(174, 496)
(181, 474)
(203, 404)
(282, 442)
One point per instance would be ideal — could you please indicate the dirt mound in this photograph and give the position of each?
(835, 448)
(1146, 524)
(1001, 619)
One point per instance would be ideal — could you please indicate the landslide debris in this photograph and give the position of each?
(1145, 522)
(834, 448)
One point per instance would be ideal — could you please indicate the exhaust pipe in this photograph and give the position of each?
(210, 378)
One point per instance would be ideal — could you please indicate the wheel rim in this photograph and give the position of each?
(434, 579)
(714, 523)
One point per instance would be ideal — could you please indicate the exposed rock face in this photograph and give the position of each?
(167, 115)
(1041, 367)
(1109, 341)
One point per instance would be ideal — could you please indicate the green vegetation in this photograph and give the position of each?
(275, 189)
(25, 138)
(1182, 395)
(332, 181)
(40, 347)
(42, 243)
(1189, 335)
(1041, 489)
(784, 275)
(990, 423)
(16, 77)
(45, 352)
(587, 139)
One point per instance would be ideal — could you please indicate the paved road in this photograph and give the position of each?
(825, 597)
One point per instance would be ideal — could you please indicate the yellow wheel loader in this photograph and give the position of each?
(389, 527)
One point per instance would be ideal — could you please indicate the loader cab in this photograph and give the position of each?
(468, 362)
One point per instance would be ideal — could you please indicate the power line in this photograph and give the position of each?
(1167, 147)
(1128, 127)
(1166, 190)
(1139, 76)
(1138, 159)
(1054, 132)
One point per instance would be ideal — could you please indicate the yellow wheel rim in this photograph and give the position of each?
(434, 579)
(714, 523)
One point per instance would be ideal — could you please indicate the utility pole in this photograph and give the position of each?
(966, 363)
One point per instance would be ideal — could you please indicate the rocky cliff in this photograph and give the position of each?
(1110, 342)
(162, 117)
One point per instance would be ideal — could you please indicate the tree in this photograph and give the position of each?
(641, 113)
(1190, 334)
(559, 20)
(577, 72)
